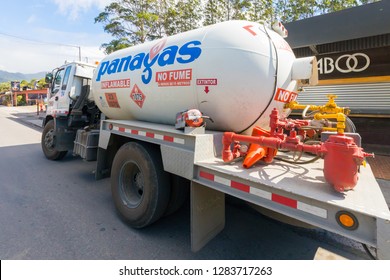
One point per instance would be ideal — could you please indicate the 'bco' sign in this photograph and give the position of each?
(365, 63)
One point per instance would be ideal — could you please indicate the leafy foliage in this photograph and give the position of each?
(5, 86)
(188, 16)
(215, 11)
(132, 22)
(32, 84)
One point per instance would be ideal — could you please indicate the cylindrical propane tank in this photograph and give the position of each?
(236, 72)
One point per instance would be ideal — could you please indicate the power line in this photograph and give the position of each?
(36, 41)
(42, 42)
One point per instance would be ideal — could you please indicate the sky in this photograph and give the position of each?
(40, 35)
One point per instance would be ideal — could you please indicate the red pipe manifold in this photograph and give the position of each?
(342, 157)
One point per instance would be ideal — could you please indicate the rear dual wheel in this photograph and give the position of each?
(140, 186)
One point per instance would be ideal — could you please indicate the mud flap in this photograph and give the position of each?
(207, 215)
(383, 239)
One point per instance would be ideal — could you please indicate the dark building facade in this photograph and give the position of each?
(352, 48)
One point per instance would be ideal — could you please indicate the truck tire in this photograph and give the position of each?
(140, 187)
(180, 192)
(48, 141)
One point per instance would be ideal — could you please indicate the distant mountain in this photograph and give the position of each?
(7, 76)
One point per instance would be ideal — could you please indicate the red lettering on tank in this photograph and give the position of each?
(285, 96)
(206, 82)
(124, 83)
(174, 78)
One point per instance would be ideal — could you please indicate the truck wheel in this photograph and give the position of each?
(48, 141)
(180, 191)
(139, 185)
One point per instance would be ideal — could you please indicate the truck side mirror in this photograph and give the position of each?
(49, 78)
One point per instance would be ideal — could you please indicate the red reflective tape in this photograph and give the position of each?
(239, 186)
(150, 134)
(134, 132)
(168, 138)
(206, 175)
(284, 200)
(122, 129)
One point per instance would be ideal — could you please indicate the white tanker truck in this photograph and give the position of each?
(176, 115)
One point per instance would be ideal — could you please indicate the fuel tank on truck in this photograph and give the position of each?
(235, 72)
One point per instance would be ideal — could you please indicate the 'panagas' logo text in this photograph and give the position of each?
(187, 53)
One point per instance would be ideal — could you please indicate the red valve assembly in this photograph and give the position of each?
(342, 157)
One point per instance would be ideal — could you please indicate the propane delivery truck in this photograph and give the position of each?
(205, 113)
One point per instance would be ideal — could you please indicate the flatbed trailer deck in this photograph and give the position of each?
(294, 190)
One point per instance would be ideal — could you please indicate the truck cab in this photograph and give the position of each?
(69, 107)
(66, 85)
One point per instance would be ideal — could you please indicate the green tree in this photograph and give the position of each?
(21, 100)
(328, 6)
(166, 17)
(189, 15)
(32, 83)
(238, 9)
(116, 44)
(260, 10)
(291, 10)
(215, 11)
(223, 10)
(41, 84)
(5, 86)
(23, 84)
(134, 20)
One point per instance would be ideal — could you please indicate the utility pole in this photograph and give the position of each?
(14, 85)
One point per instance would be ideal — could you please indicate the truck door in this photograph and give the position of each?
(63, 98)
(59, 91)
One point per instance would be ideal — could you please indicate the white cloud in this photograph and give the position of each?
(73, 8)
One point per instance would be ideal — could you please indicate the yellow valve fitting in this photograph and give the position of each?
(328, 111)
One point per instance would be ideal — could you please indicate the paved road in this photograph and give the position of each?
(56, 210)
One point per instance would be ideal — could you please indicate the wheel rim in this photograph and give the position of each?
(49, 139)
(131, 184)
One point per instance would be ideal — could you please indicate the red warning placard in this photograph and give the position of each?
(285, 96)
(112, 100)
(137, 96)
(174, 78)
